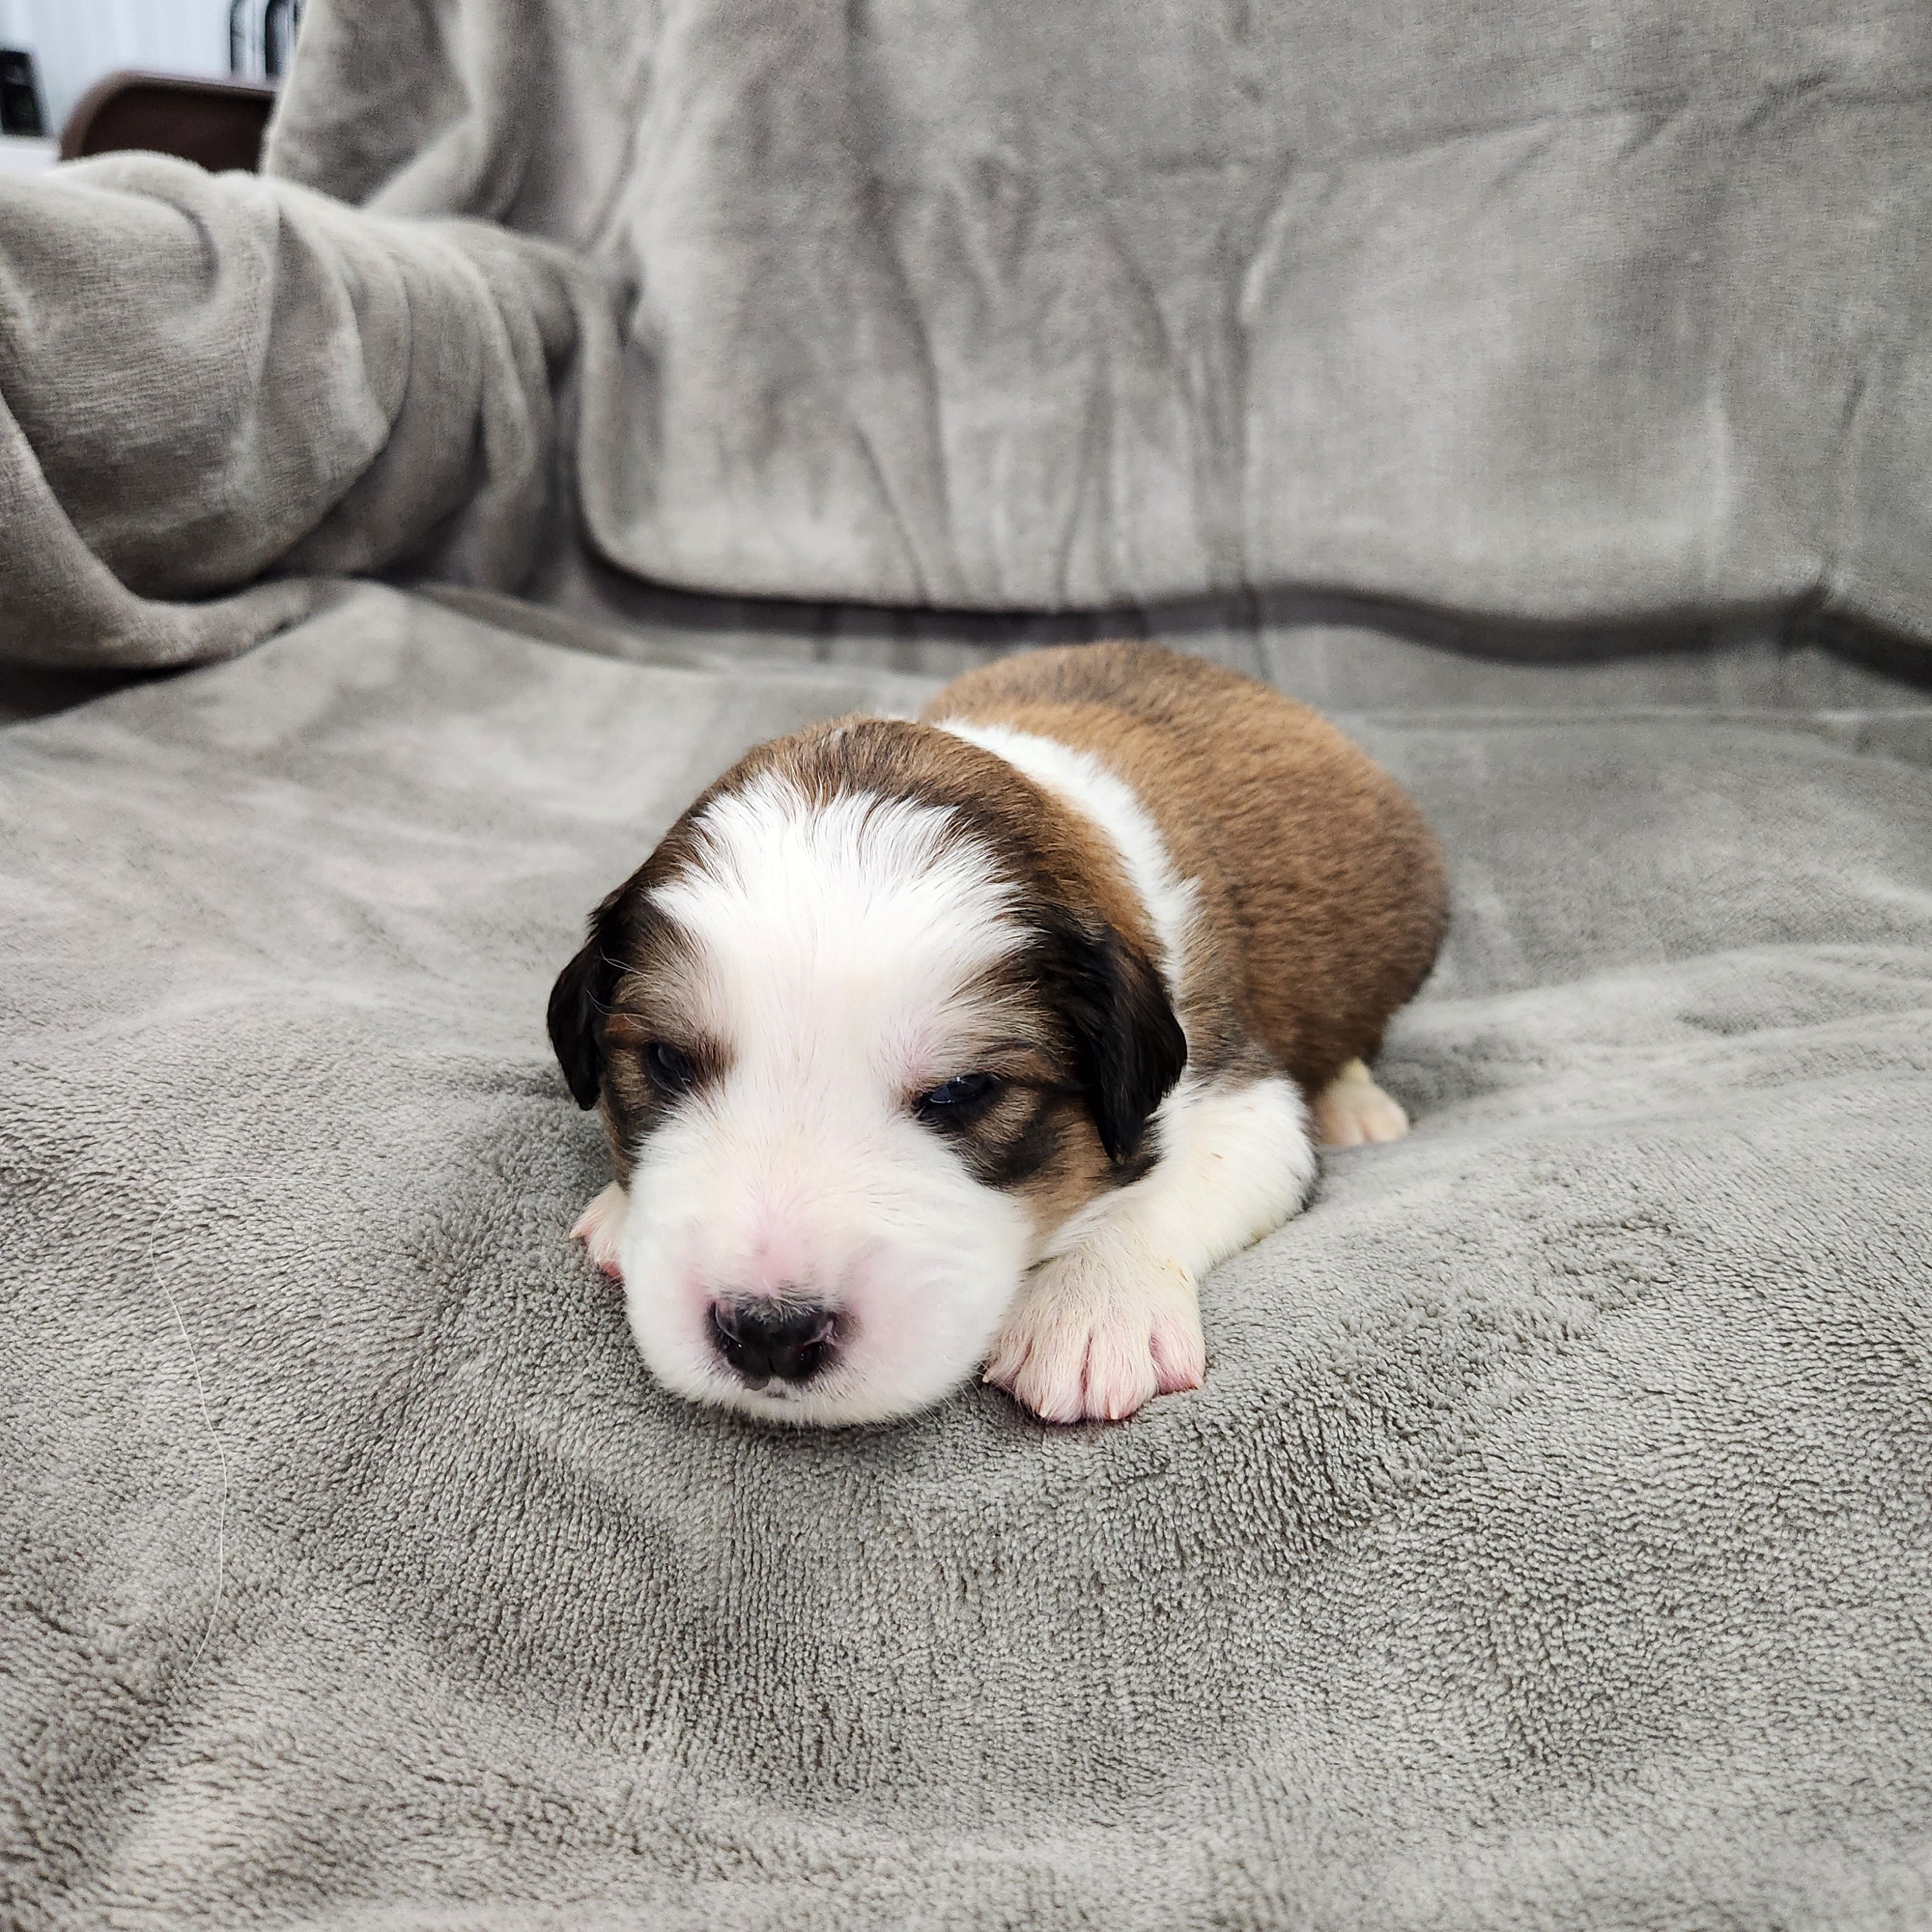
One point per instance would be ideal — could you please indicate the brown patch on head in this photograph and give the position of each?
(627, 1044)
(1031, 1131)
(1023, 1126)
(1075, 1026)
(1099, 1044)
(1060, 1165)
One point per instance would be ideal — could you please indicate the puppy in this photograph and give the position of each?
(982, 1040)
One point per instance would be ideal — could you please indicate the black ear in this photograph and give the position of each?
(580, 1001)
(1129, 1048)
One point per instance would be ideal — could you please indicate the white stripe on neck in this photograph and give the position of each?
(1079, 780)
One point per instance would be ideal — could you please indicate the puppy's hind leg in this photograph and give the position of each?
(1351, 1110)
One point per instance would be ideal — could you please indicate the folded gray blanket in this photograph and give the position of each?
(1550, 1547)
(205, 377)
(1548, 312)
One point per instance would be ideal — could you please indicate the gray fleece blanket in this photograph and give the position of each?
(1579, 312)
(1550, 1547)
(1560, 311)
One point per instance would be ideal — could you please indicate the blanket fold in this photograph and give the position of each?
(1498, 310)
(1548, 312)
(205, 378)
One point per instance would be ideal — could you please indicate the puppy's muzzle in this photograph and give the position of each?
(773, 1340)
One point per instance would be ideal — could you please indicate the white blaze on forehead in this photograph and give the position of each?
(806, 912)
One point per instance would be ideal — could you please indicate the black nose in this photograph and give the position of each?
(791, 1340)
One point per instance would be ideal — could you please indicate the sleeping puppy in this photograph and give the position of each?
(982, 1040)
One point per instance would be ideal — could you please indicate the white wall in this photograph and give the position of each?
(75, 42)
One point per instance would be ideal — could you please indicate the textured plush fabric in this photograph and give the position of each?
(204, 377)
(1550, 1547)
(1574, 312)
(1559, 310)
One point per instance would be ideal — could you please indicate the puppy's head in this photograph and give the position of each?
(874, 1019)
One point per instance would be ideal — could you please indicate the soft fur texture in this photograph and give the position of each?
(818, 960)
(1135, 909)
(1300, 894)
(1545, 1551)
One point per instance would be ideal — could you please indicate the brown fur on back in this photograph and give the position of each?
(1323, 893)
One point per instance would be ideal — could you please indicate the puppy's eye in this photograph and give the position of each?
(957, 1102)
(669, 1068)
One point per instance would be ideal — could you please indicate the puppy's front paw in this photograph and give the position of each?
(1099, 1332)
(599, 1226)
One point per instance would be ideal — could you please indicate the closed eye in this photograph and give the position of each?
(957, 1103)
(670, 1068)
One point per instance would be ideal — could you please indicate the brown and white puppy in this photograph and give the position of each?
(981, 1040)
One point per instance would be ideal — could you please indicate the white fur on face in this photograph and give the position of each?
(833, 947)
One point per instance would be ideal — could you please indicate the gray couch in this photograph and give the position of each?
(1545, 392)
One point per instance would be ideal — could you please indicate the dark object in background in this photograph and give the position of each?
(218, 124)
(261, 36)
(19, 93)
(279, 24)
